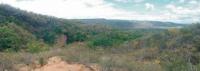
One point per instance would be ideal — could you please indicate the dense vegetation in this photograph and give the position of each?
(49, 29)
(23, 35)
(178, 48)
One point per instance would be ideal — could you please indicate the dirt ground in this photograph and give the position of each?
(57, 64)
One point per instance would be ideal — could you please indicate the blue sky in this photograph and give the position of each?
(184, 11)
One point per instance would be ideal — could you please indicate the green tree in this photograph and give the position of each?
(8, 39)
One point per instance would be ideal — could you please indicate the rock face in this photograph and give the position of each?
(57, 64)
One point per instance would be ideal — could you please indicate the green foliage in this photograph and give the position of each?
(8, 39)
(114, 37)
(76, 36)
(49, 37)
(102, 41)
(43, 27)
(15, 38)
(48, 28)
(35, 47)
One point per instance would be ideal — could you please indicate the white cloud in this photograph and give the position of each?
(184, 13)
(69, 8)
(149, 6)
(193, 2)
(124, 1)
(181, 1)
(183, 10)
(138, 1)
(79, 9)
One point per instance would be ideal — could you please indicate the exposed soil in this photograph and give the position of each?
(57, 64)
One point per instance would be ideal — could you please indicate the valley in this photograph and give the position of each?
(36, 42)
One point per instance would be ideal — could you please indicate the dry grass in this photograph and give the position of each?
(114, 59)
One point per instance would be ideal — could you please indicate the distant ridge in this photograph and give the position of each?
(132, 24)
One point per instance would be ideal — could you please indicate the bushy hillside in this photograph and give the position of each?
(178, 49)
(15, 38)
(43, 27)
(51, 30)
(173, 38)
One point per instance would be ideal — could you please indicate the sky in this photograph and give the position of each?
(181, 11)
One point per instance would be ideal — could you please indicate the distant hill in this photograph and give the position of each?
(132, 24)
(45, 28)
(48, 29)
